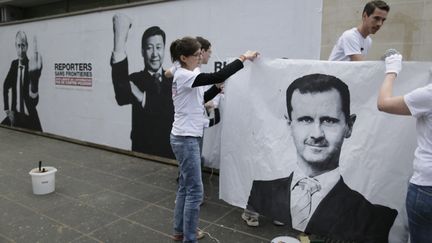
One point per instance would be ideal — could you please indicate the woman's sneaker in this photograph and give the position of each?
(179, 237)
(250, 220)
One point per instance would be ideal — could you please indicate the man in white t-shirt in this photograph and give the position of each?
(354, 44)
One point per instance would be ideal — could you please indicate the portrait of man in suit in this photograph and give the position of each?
(148, 91)
(314, 198)
(21, 87)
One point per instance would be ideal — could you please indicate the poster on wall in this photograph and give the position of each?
(311, 150)
(73, 74)
(21, 86)
(102, 82)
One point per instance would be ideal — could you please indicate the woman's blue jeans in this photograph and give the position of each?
(190, 189)
(419, 210)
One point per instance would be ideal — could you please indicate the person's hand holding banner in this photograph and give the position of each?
(393, 64)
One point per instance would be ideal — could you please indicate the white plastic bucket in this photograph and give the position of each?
(285, 239)
(43, 182)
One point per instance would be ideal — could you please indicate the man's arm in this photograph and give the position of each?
(121, 26)
(7, 85)
(211, 93)
(35, 70)
(119, 62)
(356, 57)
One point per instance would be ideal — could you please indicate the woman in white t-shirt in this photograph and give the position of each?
(417, 103)
(189, 96)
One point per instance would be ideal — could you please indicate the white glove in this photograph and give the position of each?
(393, 64)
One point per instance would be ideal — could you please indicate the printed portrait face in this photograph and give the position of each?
(318, 126)
(21, 45)
(375, 20)
(153, 52)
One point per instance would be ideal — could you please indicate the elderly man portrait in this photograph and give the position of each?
(21, 87)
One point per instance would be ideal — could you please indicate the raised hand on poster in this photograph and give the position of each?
(35, 67)
(35, 62)
(121, 25)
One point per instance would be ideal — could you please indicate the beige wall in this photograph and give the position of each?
(408, 27)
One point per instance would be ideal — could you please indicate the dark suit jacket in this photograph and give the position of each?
(343, 214)
(151, 125)
(30, 120)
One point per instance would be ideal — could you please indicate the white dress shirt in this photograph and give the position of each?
(327, 181)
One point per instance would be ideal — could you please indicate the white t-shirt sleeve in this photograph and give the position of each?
(350, 43)
(419, 101)
(185, 78)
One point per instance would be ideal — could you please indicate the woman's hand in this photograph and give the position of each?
(249, 55)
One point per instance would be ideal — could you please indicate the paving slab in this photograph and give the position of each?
(103, 196)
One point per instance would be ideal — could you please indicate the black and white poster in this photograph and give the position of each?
(96, 77)
(21, 85)
(289, 119)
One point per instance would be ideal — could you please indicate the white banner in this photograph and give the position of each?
(376, 160)
(75, 89)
